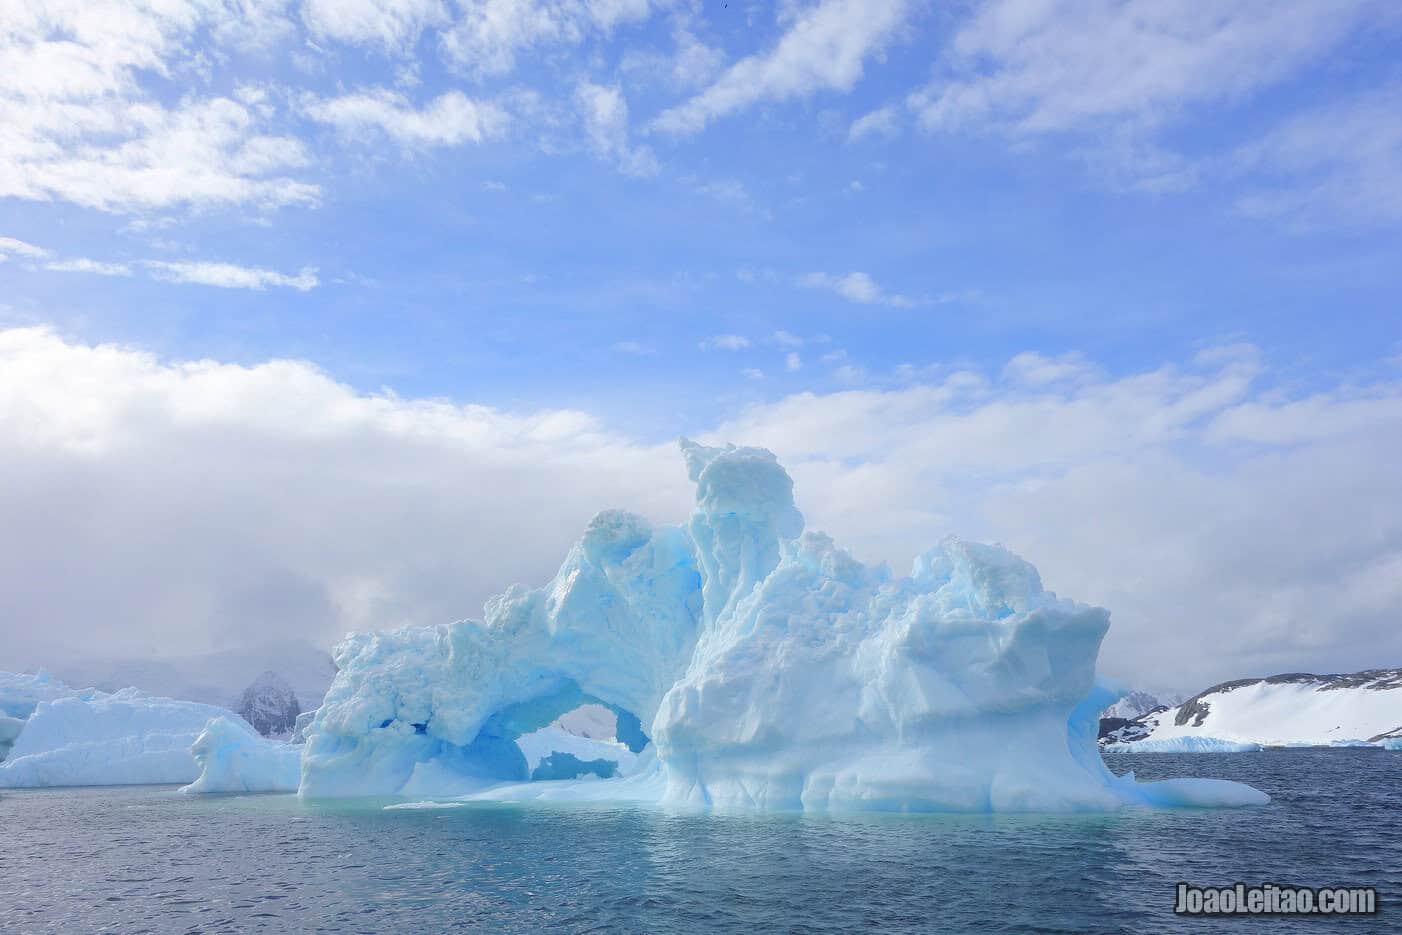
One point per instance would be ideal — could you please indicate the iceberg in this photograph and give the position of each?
(233, 757)
(747, 663)
(94, 738)
(1391, 743)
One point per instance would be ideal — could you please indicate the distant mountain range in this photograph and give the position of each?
(218, 678)
(1294, 709)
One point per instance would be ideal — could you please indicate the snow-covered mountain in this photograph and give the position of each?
(1137, 703)
(1295, 709)
(270, 705)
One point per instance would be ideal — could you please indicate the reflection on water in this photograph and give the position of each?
(149, 858)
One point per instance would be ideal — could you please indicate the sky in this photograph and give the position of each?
(319, 315)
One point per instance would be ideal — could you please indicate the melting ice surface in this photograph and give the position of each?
(747, 664)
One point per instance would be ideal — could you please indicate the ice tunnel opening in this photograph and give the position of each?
(563, 733)
(590, 739)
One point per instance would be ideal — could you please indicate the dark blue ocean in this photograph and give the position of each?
(148, 859)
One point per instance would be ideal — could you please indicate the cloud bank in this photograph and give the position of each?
(1232, 527)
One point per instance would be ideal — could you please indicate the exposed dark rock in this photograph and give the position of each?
(270, 705)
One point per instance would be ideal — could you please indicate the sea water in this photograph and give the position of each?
(149, 859)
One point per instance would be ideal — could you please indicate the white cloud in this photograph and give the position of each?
(488, 34)
(849, 375)
(450, 119)
(394, 25)
(792, 362)
(689, 64)
(1159, 494)
(229, 276)
(1036, 369)
(1061, 65)
(786, 339)
(1200, 502)
(854, 287)
(883, 121)
(1118, 73)
(9, 246)
(212, 503)
(80, 126)
(728, 191)
(633, 347)
(725, 342)
(85, 265)
(752, 373)
(824, 49)
(604, 114)
(1338, 163)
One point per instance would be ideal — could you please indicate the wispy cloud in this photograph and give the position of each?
(201, 272)
(604, 114)
(1034, 369)
(633, 347)
(884, 122)
(854, 287)
(229, 276)
(1119, 72)
(450, 119)
(81, 126)
(489, 34)
(85, 265)
(824, 49)
(725, 342)
(9, 247)
(392, 25)
(1340, 163)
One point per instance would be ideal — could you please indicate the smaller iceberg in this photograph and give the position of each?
(233, 757)
(100, 739)
(1391, 743)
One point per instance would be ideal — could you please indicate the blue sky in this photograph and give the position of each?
(724, 219)
(510, 270)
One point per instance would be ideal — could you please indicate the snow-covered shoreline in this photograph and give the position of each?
(1291, 710)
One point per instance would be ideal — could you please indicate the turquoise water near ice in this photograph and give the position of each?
(148, 859)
